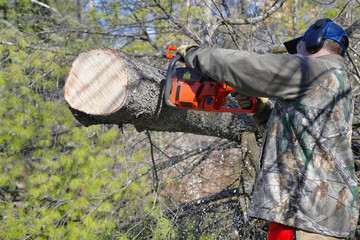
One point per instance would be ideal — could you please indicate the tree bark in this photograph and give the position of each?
(105, 86)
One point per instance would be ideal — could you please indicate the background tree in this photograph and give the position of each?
(59, 179)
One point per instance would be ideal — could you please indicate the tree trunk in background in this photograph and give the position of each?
(107, 87)
(295, 18)
(79, 15)
(91, 4)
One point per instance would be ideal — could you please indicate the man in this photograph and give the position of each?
(306, 184)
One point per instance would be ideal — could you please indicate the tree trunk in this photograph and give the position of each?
(107, 87)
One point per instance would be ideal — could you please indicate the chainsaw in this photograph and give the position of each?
(190, 89)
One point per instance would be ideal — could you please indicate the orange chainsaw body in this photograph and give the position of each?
(189, 89)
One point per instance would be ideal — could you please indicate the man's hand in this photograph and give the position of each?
(184, 48)
(243, 100)
(246, 103)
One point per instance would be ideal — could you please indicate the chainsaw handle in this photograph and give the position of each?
(169, 80)
(168, 54)
(253, 108)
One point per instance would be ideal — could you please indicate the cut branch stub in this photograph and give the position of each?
(97, 83)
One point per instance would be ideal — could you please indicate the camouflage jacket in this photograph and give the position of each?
(306, 176)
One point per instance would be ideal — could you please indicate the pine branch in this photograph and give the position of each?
(36, 48)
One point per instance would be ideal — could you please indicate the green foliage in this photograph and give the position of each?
(62, 181)
(57, 180)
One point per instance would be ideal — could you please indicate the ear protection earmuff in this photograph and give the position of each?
(314, 38)
(316, 34)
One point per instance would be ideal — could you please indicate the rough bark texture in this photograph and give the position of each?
(107, 87)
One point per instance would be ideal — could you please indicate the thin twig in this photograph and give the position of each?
(155, 174)
(46, 6)
(252, 20)
(231, 32)
(178, 23)
(353, 63)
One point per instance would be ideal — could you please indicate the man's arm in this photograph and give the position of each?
(283, 76)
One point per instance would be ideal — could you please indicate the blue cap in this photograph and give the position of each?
(330, 31)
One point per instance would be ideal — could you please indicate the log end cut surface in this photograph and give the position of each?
(97, 82)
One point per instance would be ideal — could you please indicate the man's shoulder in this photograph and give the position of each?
(334, 58)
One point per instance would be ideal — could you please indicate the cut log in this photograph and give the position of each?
(105, 86)
(97, 83)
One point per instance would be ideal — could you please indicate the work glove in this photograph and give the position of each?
(261, 103)
(184, 48)
(246, 103)
(243, 100)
